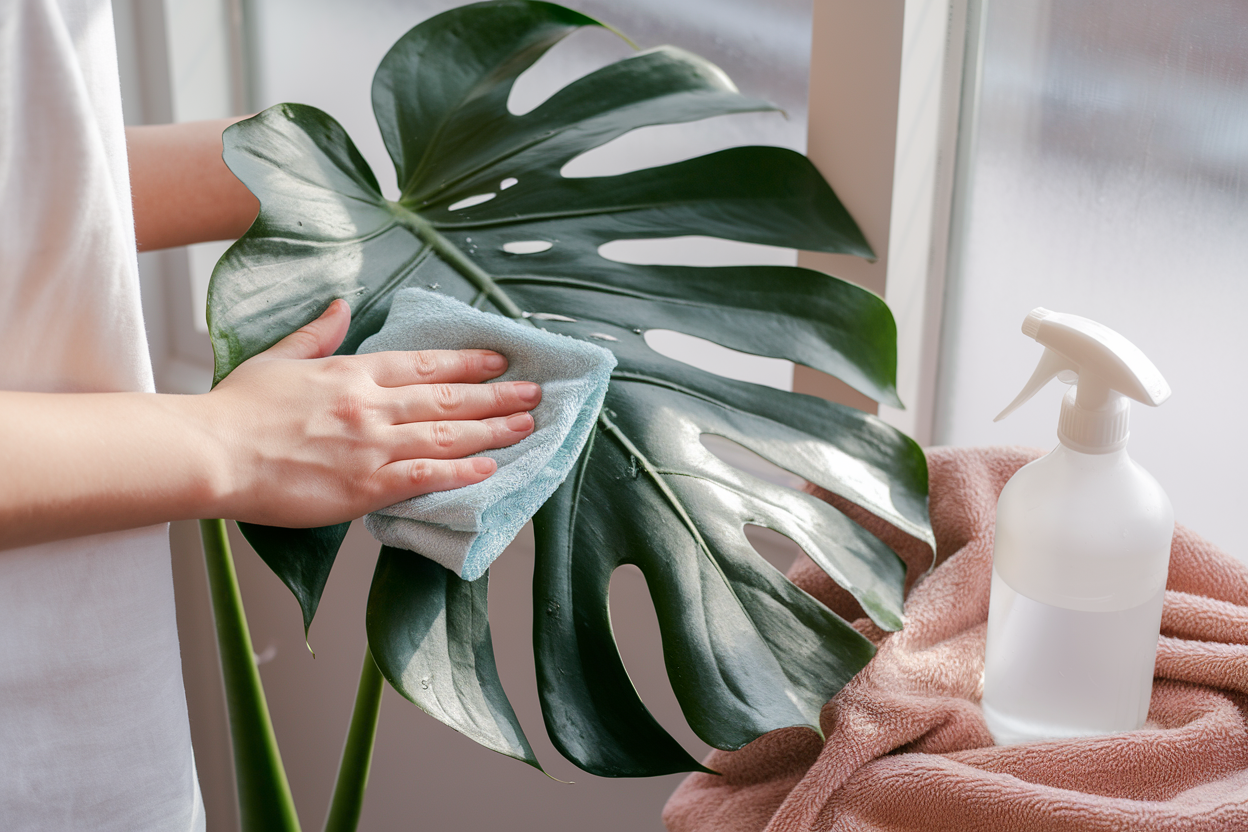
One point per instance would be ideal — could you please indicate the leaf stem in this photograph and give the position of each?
(357, 753)
(265, 803)
(461, 262)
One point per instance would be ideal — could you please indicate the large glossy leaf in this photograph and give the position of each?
(746, 651)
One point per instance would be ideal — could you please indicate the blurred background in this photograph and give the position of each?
(1089, 156)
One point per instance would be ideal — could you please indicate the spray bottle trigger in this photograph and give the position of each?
(1051, 365)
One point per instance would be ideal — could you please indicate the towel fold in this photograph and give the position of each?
(467, 528)
(907, 747)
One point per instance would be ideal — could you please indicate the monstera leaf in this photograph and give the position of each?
(746, 651)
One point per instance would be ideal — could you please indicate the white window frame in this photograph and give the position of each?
(887, 86)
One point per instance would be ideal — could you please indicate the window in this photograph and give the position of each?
(1105, 173)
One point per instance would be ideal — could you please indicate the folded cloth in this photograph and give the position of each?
(465, 529)
(907, 747)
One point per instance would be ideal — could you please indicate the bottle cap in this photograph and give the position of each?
(1106, 370)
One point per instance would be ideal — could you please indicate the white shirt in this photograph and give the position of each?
(93, 725)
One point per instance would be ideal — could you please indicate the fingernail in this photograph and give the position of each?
(528, 391)
(483, 465)
(493, 361)
(519, 422)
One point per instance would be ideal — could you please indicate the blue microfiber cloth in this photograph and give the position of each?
(465, 529)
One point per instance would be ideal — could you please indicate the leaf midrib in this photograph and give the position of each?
(456, 259)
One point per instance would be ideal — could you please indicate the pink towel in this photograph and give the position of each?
(907, 747)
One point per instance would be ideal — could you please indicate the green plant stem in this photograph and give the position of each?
(357, 753)
(459, 261)
(265, 803)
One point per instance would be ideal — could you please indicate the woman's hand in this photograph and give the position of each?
(309, 438)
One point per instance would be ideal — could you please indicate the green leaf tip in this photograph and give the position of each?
(302, 558)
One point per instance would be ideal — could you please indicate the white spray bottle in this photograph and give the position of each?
(1081, 553)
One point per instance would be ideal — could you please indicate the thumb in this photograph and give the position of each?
(317, 339)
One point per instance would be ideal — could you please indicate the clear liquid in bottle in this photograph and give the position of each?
(1052, 672)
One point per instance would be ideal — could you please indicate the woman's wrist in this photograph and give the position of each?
(209, 466)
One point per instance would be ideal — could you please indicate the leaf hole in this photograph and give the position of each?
(527, 246)
(580, 53)
(696, 251)
(508, 182)
(635, 627)
(722, 361)
(665, 144)
(468, 202)
(548, 316)
(776, 549)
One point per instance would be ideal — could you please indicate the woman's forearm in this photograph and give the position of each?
(294, 437)
(181, 189)
(78, 464)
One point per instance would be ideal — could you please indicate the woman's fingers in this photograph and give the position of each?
(455, 439)
(409, 478)
(399, 369)
(454, 402)
(430, 455)
(309, 442)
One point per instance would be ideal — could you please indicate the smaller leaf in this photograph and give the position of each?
(302, 558)
(429, 631)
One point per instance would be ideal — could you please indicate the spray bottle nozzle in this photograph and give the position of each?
(1105, 368)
